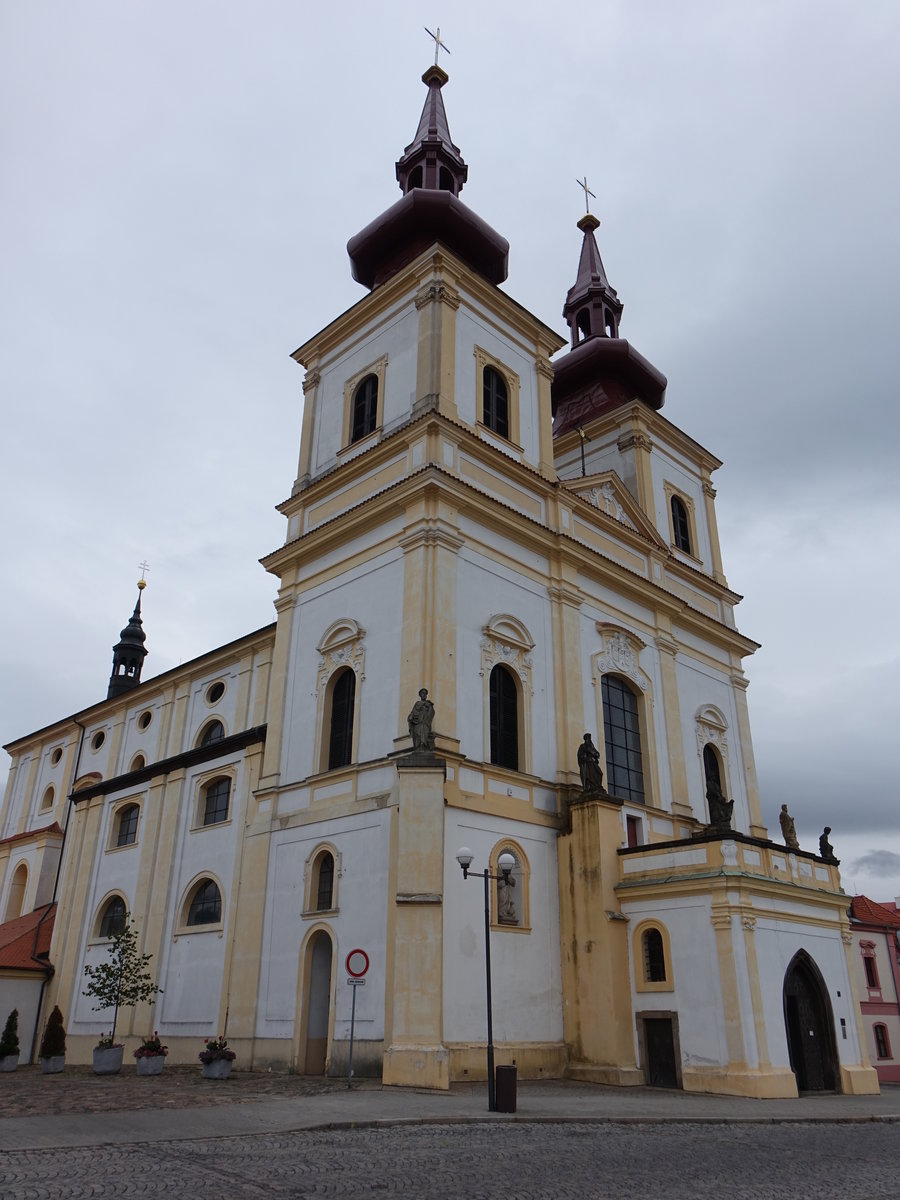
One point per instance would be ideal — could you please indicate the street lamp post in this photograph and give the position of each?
(506, 862)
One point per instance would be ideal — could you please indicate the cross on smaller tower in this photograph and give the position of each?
(583, 184)
(438, 44)
(145, 567)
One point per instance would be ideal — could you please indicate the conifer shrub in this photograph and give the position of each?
(9, 1042)
(53, 1043)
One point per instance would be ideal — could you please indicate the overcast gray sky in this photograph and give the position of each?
(179, 183)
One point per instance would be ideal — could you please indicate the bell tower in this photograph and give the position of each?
(129, 652)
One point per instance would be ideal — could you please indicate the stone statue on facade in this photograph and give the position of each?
(589, 766)
(506, 905)
(720, 809)
(419, 720)
(788, 832)
(826, 850)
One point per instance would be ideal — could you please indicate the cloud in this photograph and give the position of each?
(878, 862)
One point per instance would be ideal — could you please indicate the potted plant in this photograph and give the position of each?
(216, 1058)
(108, 1055)
(151, 1055)
(53, 1044)
(121, 982)
(9, 1043)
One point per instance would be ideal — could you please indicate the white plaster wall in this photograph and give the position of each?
(23, 994)
(484, 589)
(30, 857)
(526, 971)
(699, 685)
(394, 335)
(200, 711)
(16, 796)
(474, 328)
(697, 994)
(372, 595)
(362, 843)
(668, 467)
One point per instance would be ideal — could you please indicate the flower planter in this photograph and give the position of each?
(151, 1064)
(9, 1062)
(108, 1062)
(52, 1066)
(220, 1068)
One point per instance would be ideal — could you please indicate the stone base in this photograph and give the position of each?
(532, 1060)
(612, 1075)
(859, 1081)
(778, 1083)
(417, 1066)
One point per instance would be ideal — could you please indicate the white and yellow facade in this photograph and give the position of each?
(424, 554)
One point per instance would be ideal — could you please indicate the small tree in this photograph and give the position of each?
(124, 980)
(53, 1043)
(9, 1043)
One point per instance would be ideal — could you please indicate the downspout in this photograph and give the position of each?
(48, 969)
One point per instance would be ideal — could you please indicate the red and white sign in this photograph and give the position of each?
(357, 963)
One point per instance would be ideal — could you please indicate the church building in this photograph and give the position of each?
(503, 519)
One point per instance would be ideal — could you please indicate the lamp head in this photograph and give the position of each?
(506, 862)
(464, 857)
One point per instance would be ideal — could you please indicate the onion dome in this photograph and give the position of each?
(129, 652)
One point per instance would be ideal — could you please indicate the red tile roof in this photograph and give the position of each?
(31, 833)
(24, 940)
(866, 910)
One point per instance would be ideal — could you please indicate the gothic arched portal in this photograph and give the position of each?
(810, 1027)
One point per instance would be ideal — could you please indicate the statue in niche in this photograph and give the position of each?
(419, 721)
(788, 832)
(826, 850)
(720, 809)
(506, 905)
(589, 766)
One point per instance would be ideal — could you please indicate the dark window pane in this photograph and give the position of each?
(680, 527)
(325, 889)
(654, 957)
(113, 918)
(215, 808)
(214, 732)
(621, 732)
(128, 823)
(206, 906)
(365, 408)
(504, 702)
(496, 402)
(340, 737)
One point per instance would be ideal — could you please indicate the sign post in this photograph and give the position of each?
(357, 963)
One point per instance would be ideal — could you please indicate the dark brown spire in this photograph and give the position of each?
(592, 308)
(129, 653)
(431, 160)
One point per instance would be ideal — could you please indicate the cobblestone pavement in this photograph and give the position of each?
(29, 1093)
(512, 1161)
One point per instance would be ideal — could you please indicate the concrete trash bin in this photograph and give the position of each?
(506, 1089)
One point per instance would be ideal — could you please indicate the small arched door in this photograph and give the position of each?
(317, 1004)
(810, 1027)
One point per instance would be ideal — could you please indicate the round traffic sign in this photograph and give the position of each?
(357, 963)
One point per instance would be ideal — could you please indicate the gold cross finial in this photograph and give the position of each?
(583, 184)
(145, 567)
(438, 44)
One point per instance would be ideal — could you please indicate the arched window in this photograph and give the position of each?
(445, 180)
(324, 882)
(681, 530)
(16, 900)
(622, 735)
(214, 732)
(126, 830)
(137, 763)
(215, 801)
(340, 730)
(365, 408)
(205, 907)
(711, 769)
(415, 179)
(882, 1041)
(47, 799)
(583, 324)
(113, 919)
(504, 704)
(654, 956)
(510, 899)
(496, 402)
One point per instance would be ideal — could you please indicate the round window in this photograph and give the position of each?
(215, 693)
(97, 740)
(144, 719)
(56, 755)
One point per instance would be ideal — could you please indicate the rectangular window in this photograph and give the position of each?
(871, 974)
(633, 830)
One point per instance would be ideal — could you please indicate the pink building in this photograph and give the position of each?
(876, 930)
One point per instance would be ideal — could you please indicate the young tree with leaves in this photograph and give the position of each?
(123, 981)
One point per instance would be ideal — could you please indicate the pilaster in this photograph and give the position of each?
(311, 382)
(437, 302)
(739, 691)
(709, 496)
(681, 798)
(544, 370)
(568, 678)
(271, 770)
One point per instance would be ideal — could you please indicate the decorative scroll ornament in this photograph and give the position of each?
(342, 645)
(605, 498)
(618, 656)
(506, 640)
(712, 727)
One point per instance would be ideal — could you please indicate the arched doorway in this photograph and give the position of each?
(810, 1027)
(316, 1012)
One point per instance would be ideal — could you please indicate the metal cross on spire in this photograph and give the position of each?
(145, 567)
(583, 184)
(438, 44)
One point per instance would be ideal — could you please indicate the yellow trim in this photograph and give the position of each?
(687, 501)
(513, 385)
(311, 869)
(641, 983)
(521, 878)
(378, 368)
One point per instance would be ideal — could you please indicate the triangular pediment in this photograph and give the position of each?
(606, 492)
